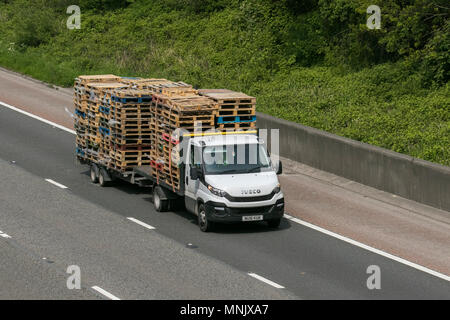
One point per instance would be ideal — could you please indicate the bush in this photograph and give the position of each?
(309, 61)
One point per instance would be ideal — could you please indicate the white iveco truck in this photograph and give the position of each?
(225, 177)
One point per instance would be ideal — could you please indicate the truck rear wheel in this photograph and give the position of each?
(94, 176)
(160, 204)
(203, 222)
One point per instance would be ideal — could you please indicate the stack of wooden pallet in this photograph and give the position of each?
(125, 128)
(236, 111)
(153, 85)
(176, 108)
(126, 122)
(87, 97)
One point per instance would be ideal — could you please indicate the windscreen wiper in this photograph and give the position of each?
(255, 169)
(228, 171)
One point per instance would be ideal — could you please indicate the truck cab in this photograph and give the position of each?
(231, 178)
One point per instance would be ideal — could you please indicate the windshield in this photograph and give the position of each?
(230, 159)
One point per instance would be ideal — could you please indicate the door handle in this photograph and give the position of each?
(187, 180)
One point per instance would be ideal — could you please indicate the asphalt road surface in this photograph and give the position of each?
(45, 228)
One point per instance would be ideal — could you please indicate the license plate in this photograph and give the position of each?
(252, 218)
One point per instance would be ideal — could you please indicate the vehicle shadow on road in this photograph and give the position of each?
(227, 228)
(131, 188)
(249, 227)
(179, 210)
(124, 186)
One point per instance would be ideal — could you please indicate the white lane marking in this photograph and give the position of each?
(306, 224)
(369, 248)
(4, 235)
(105, 293)
(56, 183)
(273, 284)
(37, 117)
(141, 223)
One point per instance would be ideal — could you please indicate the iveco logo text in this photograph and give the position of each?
(254, 191)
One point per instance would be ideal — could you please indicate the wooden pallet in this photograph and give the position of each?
(144, 127)
(97, 78)
(190, 127)
(100, 89)
(81, 142)
(130, 96)
(179, 92)
(236, 111)
(237, 126)
(80, 123)
(196, 103)
(130, 141)
(81, 105)
(229, 98)
(140, 81)
(138, 132)
(130, 155)
(181, 118)
(118, 108)
(129, 147)
(156, 85)
(166, 110)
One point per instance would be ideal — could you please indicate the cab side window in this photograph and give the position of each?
(195, 157)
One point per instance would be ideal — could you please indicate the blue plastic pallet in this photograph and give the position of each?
(132, 99)
(104, 130)
(237, 119)
(79, 113)
(80, 152)
(104, 110)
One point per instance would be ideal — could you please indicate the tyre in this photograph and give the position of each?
(160, 204)
(94, 176)
(102, 179)
(274, 224)
(204, 224)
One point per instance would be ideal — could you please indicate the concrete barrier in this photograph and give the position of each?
(408, 177)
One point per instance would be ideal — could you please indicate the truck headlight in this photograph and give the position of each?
(277, 189)
(217, 192)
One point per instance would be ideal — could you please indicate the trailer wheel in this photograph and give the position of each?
(160, 204)
(94, 176)
(203, 222)
(102, 179)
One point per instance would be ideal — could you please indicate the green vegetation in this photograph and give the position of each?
(310, 61)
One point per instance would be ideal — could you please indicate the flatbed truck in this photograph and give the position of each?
(216, 185)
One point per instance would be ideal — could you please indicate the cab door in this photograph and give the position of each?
(192, 185)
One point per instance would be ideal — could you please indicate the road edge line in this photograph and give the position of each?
(105, 293)
(143, 224)
(59, 185)
(265, 280)
(37, 117)
(369, 248)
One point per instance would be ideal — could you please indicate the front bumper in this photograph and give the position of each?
(219, 212)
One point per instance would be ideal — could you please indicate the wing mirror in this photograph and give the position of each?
(279, 167)
(195, 173)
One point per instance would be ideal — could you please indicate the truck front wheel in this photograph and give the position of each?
(203, 222)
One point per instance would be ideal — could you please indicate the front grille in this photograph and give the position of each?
(249, 199)
(249, 210)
